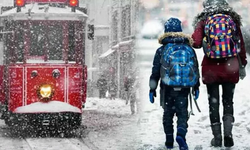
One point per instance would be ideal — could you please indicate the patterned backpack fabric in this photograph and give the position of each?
(179, 67)
(219, 41)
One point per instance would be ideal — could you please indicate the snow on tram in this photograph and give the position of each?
(42, 63)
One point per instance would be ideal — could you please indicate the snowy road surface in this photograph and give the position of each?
(199, 134)
(99, 117)
(10, 141)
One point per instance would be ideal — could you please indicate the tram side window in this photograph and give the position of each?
(71, 52)
(37, 40)
(9, 42)
(19, 42)
(55, 38)
(1, 33)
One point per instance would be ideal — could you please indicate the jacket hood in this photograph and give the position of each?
(213, 9)
(175, 37)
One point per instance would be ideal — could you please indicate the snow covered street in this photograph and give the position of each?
(99, 119)
(108, 124)
(10, 141)
(150, 131)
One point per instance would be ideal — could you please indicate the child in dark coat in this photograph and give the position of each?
(173, 101)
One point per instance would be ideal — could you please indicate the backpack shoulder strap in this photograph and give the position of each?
(165, 47)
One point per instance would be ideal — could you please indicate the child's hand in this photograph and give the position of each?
(196, 93)
(152, 94)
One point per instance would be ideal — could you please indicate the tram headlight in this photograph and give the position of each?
(19, 3)
(45, 91)
(73, 3)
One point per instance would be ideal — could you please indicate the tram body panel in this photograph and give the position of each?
(15, 87)
(44, 76)
(24, 88)
(2, 93)
(75, 87)
(85, 77)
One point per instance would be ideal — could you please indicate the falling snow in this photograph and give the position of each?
(108, 124)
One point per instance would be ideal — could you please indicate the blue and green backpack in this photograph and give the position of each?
(179, 66)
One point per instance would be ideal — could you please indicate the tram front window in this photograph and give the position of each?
(55, 41)
(37, 47)
(46, 39)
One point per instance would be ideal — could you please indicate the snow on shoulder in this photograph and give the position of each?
(51, 106)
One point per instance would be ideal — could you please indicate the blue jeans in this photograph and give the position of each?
(175, 103)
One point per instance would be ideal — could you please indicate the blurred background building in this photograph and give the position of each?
(185, 10)
(111, 52)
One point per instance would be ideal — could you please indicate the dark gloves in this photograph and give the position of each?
(242, 73)
(195, 92)
(152, 94)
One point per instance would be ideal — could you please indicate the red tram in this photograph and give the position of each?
(42, 67)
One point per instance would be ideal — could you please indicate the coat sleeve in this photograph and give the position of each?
(155, 75)
(197, 85)
(198, 34)
(242, 52)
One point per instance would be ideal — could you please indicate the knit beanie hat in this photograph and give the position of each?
(173, 25)
(208, 3)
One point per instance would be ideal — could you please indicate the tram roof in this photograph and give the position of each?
(36, 11)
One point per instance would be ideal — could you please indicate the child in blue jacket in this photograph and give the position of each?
(173, 100)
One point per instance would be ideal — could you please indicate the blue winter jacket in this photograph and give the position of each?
(171, 37)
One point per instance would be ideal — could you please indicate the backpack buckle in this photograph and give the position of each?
(177, 89)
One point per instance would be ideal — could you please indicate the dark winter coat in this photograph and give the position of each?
(128, 83)
(170, 37)
(112, 88)
(102, 84)
(214, 70)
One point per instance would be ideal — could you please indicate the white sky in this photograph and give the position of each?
(7, 2)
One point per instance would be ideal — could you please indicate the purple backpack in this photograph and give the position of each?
(219, 41)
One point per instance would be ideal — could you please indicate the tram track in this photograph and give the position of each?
(81, 139)
(28, 144)
(56, 143)
(22, 141)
